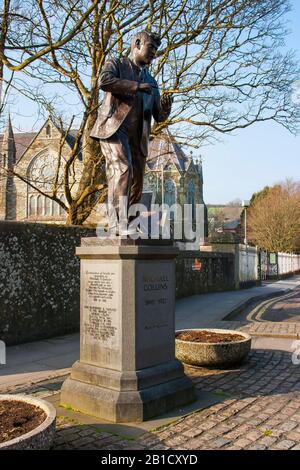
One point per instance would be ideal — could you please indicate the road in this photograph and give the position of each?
(285, 308)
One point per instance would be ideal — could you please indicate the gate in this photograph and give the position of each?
(267, 265)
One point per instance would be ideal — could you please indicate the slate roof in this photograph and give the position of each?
(163, 150)
(24, 139)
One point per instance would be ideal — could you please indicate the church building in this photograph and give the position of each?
(171, 176)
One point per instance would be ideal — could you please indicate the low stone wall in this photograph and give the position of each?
(39, 281)
(246, 262)
(202, 272)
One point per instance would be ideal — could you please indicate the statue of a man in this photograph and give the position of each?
(124, 119)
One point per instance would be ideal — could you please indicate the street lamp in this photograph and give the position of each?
(245, 204)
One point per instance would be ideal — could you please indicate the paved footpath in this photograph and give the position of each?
(259, 408)
(258, 403)
(32, 362)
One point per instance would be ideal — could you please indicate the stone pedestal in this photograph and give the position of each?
(127, 370)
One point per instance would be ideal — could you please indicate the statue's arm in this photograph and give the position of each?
(110, 80)
(161, 107)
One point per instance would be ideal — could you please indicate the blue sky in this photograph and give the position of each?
(240, 164)
(261, 155)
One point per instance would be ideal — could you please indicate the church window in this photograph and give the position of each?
(42, 171)
(191, 198)
(55, 208)
(170, 193)
(40, 205)
(61, 209)
(32, 205)
(48, 206)
(48, 130)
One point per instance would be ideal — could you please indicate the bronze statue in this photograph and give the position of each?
(124, 119)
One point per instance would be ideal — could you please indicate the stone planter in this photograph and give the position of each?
(213, 354)
(40, 438)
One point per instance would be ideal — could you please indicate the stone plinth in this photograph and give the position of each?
(127, 369)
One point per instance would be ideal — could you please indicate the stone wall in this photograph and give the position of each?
(200, 272)
(246, 262)
(39, 280)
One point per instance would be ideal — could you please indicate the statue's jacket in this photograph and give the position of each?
(119, 83)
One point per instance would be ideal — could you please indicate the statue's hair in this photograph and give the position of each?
(142, 35)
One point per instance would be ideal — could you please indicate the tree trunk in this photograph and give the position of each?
(93, 174)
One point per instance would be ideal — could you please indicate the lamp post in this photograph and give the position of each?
(245, 204)
(162, 185)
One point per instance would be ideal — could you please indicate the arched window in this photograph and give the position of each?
(61, 209)
(48, 206)
(40, 208)
(169, 192)
(191, 198)
(32, 201)
(55, 208)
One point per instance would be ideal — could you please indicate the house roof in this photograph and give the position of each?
(231, 224)
(231, 216)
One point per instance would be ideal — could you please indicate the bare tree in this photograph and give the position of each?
(24, 21)
(274, 218)
(216, 219)
(220, 59)
(235, 202)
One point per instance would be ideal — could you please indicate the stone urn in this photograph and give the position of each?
(39, 438)
(213, 354)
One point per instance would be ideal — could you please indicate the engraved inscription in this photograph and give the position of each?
(100, 306)
(155, 298)
(155, 312)
(99, 324)
(100, 286)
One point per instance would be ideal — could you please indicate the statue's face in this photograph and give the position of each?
(145, 51)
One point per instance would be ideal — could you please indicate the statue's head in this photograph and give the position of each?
(144, 46)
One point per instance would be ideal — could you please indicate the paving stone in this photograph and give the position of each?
(267, 441)
(297, 447)
(253, 435)
(288, 426)
(257, 447)
(293, 436)
(218, 443)
(242, 443)
(83, 441)
(87, 432)
(231, 447)
(285, 444)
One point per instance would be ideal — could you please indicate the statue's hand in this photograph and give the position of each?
(145, 88)
(166, 103)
